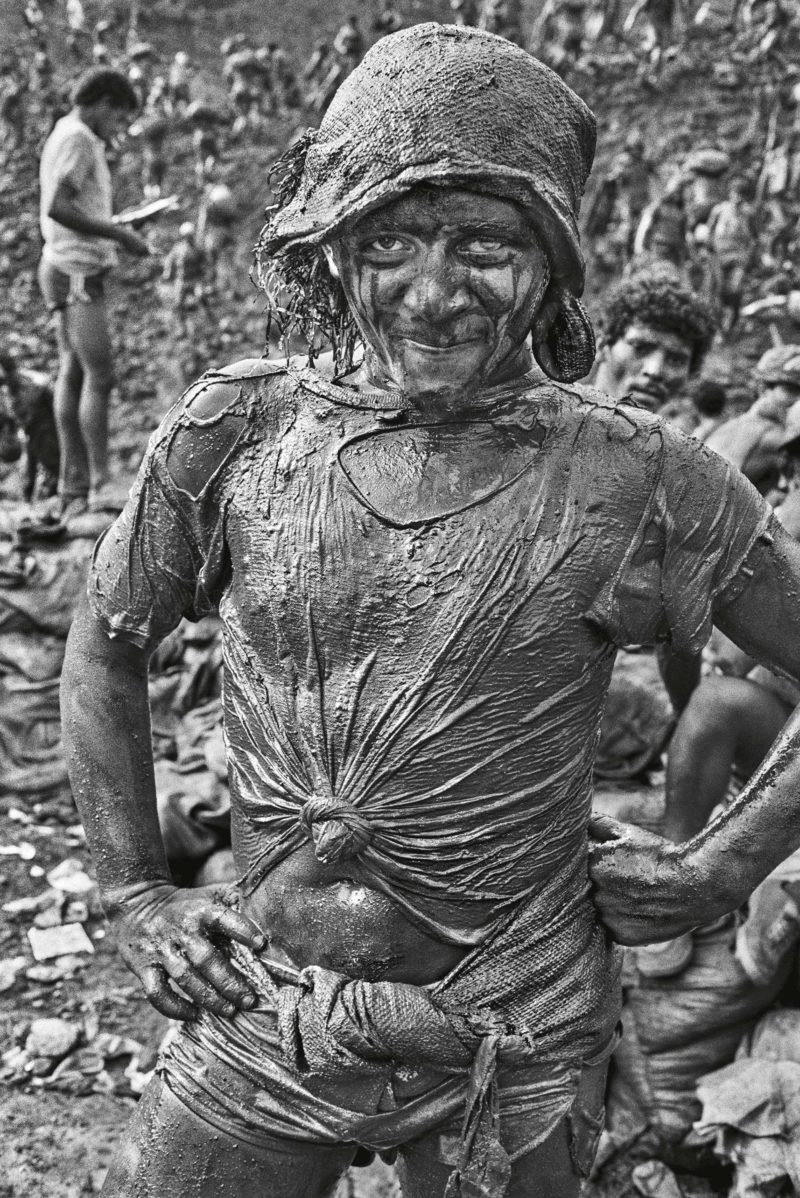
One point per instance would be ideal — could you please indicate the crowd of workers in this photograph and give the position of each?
(687, 258)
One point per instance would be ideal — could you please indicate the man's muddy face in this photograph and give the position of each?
(647, 364)
(444, 285)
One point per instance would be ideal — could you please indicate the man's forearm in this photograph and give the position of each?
(169, 937)
(70, 216)
(761, 827)
(106, 728)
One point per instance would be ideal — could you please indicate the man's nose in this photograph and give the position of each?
(653, 365)
(438, 290)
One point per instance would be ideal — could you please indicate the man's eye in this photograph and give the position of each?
(484, 247)
(386, 245)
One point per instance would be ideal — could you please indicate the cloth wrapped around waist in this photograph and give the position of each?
(543, 981)
(543, 987)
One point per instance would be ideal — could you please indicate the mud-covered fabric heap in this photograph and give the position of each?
(441, 103)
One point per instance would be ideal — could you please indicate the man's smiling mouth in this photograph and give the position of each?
(442, 347)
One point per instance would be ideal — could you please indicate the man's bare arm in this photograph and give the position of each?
(164, 934)
(648, 889)
(65, 211)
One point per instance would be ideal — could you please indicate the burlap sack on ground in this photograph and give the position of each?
(751, 1109)
(638, 718)
(678, 1029)
(35, 615)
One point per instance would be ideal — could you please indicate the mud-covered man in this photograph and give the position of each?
(425, 559)
(655, 335)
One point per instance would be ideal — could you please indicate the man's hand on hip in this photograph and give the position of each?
(170, 935)
(648, 889)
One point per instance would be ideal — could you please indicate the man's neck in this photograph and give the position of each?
(86, 116)
(373, 376)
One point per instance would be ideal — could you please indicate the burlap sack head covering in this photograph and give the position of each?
(452, 106)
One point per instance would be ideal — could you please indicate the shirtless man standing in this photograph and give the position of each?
(424, 560)
(754, 440)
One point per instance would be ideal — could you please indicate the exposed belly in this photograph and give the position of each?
(326, 915)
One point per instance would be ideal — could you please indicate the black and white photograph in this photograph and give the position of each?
(400, 599)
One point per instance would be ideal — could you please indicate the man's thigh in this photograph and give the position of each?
(66, 351)
(553, 1169)
(545, 1172)
(86, 326)
(744, 709)
(167, 1150)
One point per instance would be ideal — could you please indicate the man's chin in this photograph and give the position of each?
(646, 399)
(435, 369)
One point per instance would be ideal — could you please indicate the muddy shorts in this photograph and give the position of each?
(60, 289)
(233, 1075)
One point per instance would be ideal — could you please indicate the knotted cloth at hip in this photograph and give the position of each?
(519, 996)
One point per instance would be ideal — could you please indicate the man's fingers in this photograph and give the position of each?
(235, 926)
(192, 982)
(604, 828)
(163, 997)
(217, 970)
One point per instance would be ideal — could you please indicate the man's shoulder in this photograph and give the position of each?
(69, 128)
(206, 428)
(741, 431)
(643, 445)
(584, 406)
(215, 391)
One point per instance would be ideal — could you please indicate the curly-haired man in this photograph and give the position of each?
(655, 335)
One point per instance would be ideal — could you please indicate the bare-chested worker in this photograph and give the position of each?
(662, 231)
(732, 237)
(656, 333)
(753, 441)
(424, 560)
(734, 715)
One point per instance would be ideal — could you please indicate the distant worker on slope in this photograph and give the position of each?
(80, 247)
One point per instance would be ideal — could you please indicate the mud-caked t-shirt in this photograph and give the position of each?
(420, 620)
